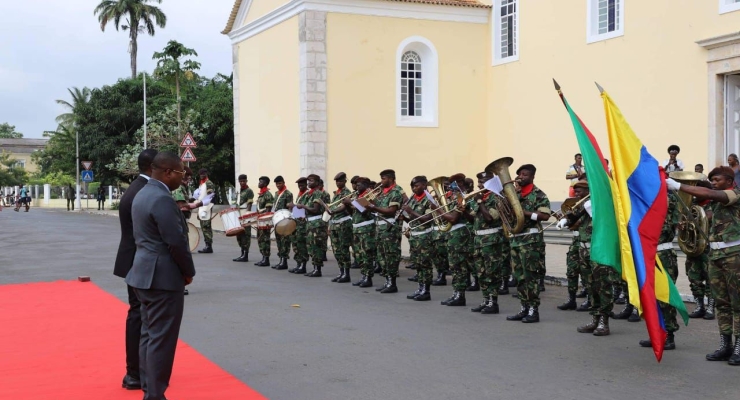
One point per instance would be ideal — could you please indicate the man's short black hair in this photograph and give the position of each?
(264, 179)
(166, 160)
(242, 176)
(674, 147)
(578, 154)
(699, 165)
(145, 159)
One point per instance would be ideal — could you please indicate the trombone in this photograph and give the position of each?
(569, 206)
(467, 198)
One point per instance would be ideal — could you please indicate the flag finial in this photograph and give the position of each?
(557, 87)
(601, 89)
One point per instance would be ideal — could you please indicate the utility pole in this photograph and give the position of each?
(144, 111)
(77, 197)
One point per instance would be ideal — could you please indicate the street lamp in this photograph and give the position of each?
(77, 185)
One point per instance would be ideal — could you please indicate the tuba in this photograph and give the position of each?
(509, 208)
(693, 225)
(438, 187)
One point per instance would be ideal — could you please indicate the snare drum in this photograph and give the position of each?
(193, 237)
(284, 223)
(264, 221)
(230, 219)
(248, 218)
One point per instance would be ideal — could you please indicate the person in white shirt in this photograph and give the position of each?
(672, 163)
(575, 173)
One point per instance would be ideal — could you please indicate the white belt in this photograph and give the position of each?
(576, 233)
(585, 245)
(456, 227)
(487, 232)
(424, 232)
(314, 218)
(529, 232)
(387, 220)
(668, 246)
(436, 228)
(340, 220)
(361, 224)
(723, 245)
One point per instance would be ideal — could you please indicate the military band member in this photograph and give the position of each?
(724, 257)
(315, 227)
(376, 260)
(439, 256)
(265, 202)
(489, 247)
(696, 271)
(246, 198)
(205, 225)
(458, 246)
(473, 286)
(299, 238)
(340, 229)
(182, 198)
(421, 239)
(283, 197)
(363, 229)
(355, 265)
(572, 271)
(326, 198)
(528, 247)
(388, 229)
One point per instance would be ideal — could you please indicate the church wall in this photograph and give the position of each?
(363, 137)
(258, 8)
(269, 126)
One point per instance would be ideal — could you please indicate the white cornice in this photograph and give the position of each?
(720, 41)
(376, 8)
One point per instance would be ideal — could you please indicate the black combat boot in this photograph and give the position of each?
(444, 302)
(670, 342)
(709, 315)
(416, 293)
(283, 264)
(414, 278)
(585, 306)
(441, 279)
(368, 282)
(481, 306)
(724, 351)
(242, 257)
(492, 307)
(425, 294)
(276, 265)
(511, 282)
(340, 276)
(570, 304)
(385, 285)
(358, 283)
(355, 265)
(603, 328)
(473, 286)
(699, 311)
(625, 313)
(617, 294)
(265, 262)
(411, 266)
(310, 272)
(206, 250)
(542, 284)
(503, 288)
(316, 273)
(345, 278)
(458, 300)
(520, 315)
(582, 294)
(590, 327)
(301, 268)
(323, 258)
(378, 268)
(634, 317)
(735, 357)
(392, 288)
(532, 316)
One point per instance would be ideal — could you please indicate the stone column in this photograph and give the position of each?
(313, 69)
(110, 195)
(47, 193)
(36, 192)
(231, 195)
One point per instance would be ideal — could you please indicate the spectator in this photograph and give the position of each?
(70, 195)
(101, 198)
(672, 163)
(575, 173)
(735, 165)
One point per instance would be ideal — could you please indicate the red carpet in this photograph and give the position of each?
(65, 340)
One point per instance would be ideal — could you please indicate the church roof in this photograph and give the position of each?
(454, 3)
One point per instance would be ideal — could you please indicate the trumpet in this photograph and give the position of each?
(463, 201)
(328, 207)
(370, 196)
(569, 207)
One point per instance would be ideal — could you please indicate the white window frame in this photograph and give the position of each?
(496, 34)
(429, 83)
(592, 23)
(726, 6)
(20, 163)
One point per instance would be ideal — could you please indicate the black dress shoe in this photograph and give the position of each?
(131, 383)
(185, 293)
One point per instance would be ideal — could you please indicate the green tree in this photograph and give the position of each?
(10, 174)
(170, 66)
(79, 96)
(58, 156)
(8, 131)
(140, 17)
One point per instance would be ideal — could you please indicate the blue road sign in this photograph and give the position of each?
(87, 176)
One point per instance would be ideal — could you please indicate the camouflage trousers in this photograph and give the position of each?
(299, 241)
(489, 262)
(600, 286)
(205, 226)
(670, 264)
(572, 271)
(439, 253)
(506, 267)
(389, 249)
(459, 257)
(421, 250)
(263, 241)
(696, 271)
(724, 280)
(365, 251)
(341, 239)
(245, 239)
(528, 265)
(283, 245)
(316, 240)
(585, 270)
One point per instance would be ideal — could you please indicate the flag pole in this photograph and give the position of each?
(145, 110)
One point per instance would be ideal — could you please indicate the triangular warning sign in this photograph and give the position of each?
(188, 156)
(87, 165)
(188, 141)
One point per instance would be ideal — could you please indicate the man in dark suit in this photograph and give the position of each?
(162, 267)
(124, 260)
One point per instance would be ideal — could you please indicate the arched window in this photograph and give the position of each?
(417, 80)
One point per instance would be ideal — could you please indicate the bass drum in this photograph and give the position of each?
(283, 222)
(193, 237)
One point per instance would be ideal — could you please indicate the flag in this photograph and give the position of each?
(604, 238)
(641, 204)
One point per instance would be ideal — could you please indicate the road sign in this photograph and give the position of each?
(87, 176)
(188, 156)
(188, 141)
(87, 164)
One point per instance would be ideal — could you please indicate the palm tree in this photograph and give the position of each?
(169, 66)
(139, 16)
(79, 96)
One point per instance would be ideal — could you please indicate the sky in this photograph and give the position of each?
(47, 46)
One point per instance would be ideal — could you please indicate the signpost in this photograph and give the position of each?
(87, 165)
(188, 156)
(87, 176)
(188, 143)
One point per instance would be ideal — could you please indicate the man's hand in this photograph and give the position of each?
(672, 185)
(562, 224)
(188, 280)
(300, 206)
(192, 206)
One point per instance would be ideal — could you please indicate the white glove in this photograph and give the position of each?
(196, 193)
(672, 185)
(587, 207)
(562, 223)
(207, 200)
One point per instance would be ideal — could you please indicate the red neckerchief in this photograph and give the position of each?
(301, 193)
(420, 197)
(263, 190)
(486, 196)
(704, 202)
(389, 188)
(338, 191)
(281, 191)
(363, 193)
(526, 190)
(202, 181)
(246, 187)
(310, 192)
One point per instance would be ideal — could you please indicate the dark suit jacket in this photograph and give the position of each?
(163, 256)
(127, 246)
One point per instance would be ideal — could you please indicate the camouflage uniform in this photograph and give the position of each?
(340, 229)
(421, 241)
(183, 194)
(264, 201)
(205, 226)
(724, 267)
(489, 244)
(696, 271)
(458, 254)
(668, 258)
(599, 278)
(572, 271)
(389, 240)
(326, 198)
(528, 249)
(299, 238)
(315, 229)
(363, 229)
(282, 199)
(246, 196)
(439, 252)
(585, 267)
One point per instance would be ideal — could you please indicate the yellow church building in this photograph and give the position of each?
(436, 87)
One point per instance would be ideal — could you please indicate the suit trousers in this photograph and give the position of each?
(133, 334)
(161, 315)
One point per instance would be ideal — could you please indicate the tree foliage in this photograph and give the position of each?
(10, 173)
(8, 131)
